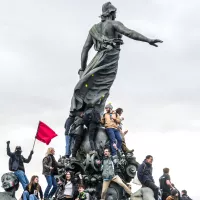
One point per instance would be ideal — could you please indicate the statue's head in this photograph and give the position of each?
(108, 11)
(9, 181)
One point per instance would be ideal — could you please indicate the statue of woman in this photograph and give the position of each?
(97, 78)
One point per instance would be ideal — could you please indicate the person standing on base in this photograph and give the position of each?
(50, 166)
(16, 164)
(165, 184)
(145, 175)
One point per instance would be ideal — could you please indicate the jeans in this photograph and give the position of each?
(22, 178)
(27, 196)
(68, 145)
(114, 135)
(51, 181)
(152, 185)
(92, 129)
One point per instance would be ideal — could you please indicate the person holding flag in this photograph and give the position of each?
(16, 163)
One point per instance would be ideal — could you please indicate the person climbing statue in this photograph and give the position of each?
(125, 149)
(76, 134)
(108, 174)
(92, 119)
(16, 164)
(111, 121)
(10, 184)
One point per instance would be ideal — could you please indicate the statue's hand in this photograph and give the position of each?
(154, 41)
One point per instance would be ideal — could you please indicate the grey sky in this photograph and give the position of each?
(40, 46)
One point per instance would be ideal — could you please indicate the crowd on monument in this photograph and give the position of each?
(68, 188)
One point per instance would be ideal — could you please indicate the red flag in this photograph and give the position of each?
(44, 133)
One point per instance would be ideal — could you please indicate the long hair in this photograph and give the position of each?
(32, 182)
(49, 150)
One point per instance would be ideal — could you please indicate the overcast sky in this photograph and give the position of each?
(40, 47)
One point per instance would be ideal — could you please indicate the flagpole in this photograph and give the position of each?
(34, 144)
(35, 137)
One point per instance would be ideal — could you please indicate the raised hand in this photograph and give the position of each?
(154, 41)
(8, 142)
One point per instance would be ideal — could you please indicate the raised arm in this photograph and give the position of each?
(9, 153)
(84, 55)
(119, 27)
(27, 160)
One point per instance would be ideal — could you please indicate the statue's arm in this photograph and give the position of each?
(119, 27)
(84, 55)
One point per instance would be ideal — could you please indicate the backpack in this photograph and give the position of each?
(13, 164)
(91, 115)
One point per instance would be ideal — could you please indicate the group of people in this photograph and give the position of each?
(32, 189)
(167, 189)
(92, 120)
(69, 189)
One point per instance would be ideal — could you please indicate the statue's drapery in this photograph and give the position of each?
(94, 84)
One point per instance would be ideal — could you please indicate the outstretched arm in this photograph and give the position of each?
(84, 55)
(119, 27)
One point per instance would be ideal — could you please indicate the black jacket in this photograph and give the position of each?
(145, 172)
(33, 189)
(16, 162)
(49, 161)
(185, 197)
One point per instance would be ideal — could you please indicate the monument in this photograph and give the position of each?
(92, 90)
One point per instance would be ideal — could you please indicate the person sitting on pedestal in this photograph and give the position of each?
(33, 189)
(145, 175)
(16, 163)
(111, 121)
(68, 188)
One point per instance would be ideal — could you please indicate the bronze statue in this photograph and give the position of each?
(92, 91)
(97, 77)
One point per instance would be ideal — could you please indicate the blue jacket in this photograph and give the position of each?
(145, 172)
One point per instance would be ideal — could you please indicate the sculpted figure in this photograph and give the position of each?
(97, 77)
(10, 184)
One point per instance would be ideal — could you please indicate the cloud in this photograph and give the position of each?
(158, 88)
